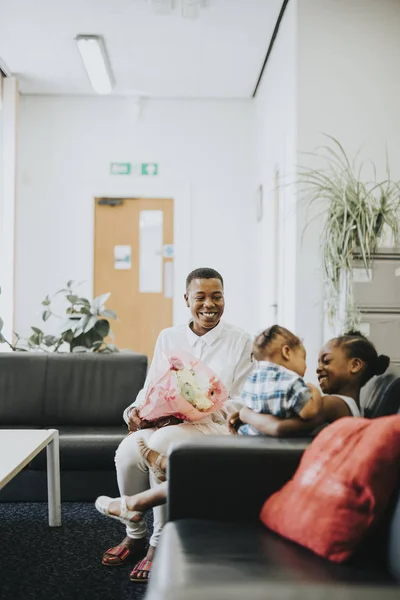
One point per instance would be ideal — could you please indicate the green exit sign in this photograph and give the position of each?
(149, 169)
(120, 168)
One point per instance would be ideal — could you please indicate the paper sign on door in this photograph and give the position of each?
(122, 258)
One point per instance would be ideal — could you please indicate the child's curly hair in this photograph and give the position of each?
(264, 342)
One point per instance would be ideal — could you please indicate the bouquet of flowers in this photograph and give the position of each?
(188, 390)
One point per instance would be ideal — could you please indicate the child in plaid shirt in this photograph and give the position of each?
(276, 386)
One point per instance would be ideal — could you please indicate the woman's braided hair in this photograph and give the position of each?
(265, 339)
(356, 345)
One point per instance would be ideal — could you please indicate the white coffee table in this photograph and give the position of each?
(18, 447)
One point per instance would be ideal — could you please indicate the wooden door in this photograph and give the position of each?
(133, 259)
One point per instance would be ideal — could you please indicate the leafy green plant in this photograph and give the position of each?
(84, 327)
(356, 214)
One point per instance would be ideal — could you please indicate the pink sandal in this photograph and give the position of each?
(120, 555)
(144, 566)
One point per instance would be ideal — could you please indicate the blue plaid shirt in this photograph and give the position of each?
(273, 390)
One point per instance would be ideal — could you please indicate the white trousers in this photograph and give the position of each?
(133, 474)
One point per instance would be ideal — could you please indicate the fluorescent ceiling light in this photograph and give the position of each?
(96, 62)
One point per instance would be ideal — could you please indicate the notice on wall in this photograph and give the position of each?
(122, 258)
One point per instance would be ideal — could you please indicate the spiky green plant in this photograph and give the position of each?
(355, 213)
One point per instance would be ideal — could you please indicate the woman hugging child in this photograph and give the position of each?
(276, 386)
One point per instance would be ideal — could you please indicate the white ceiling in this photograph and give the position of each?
(219, 55)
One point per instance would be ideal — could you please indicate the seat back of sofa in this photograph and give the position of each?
(68, 389)
(90, 389)
(22, 388)
(380, 397)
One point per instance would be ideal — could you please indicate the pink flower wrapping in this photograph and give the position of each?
(188, 389)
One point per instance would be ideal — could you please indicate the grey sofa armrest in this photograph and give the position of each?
(228, 477)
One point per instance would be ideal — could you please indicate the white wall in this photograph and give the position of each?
(8, 193)
(333, 69)
(276, 152)
(348, 87)
(206, 154)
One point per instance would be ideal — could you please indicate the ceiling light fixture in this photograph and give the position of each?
(190, 9)
(97, 65)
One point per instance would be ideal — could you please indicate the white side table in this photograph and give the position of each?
(18, 447)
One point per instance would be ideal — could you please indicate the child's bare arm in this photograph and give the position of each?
(276, 427)
(313, 408)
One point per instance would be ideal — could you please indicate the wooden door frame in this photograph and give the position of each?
(179, 191)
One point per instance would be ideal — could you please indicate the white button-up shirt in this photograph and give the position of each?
(225, 349)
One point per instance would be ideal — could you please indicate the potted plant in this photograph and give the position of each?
(83, 328)
(357, 213)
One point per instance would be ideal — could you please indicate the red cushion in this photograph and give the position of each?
(343, 484)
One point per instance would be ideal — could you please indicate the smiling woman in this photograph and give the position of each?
(345, 365)
(205, 298)
(226, 350)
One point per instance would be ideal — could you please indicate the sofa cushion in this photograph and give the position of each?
(92, 389)
(85, 448)
(344, 483)
(380, 397)
(22, 385)
(197, 552)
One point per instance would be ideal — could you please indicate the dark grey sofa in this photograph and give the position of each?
(81, 395)
(214, 546)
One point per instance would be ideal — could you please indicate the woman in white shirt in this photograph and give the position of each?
(222, 347)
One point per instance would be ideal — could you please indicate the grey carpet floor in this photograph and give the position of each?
(41, 562)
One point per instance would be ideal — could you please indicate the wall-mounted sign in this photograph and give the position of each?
(120, 168)
(149, 169)
(122, 258)
(146, 169)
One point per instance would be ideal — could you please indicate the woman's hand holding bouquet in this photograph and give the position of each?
(187, 391)
(135, 423)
